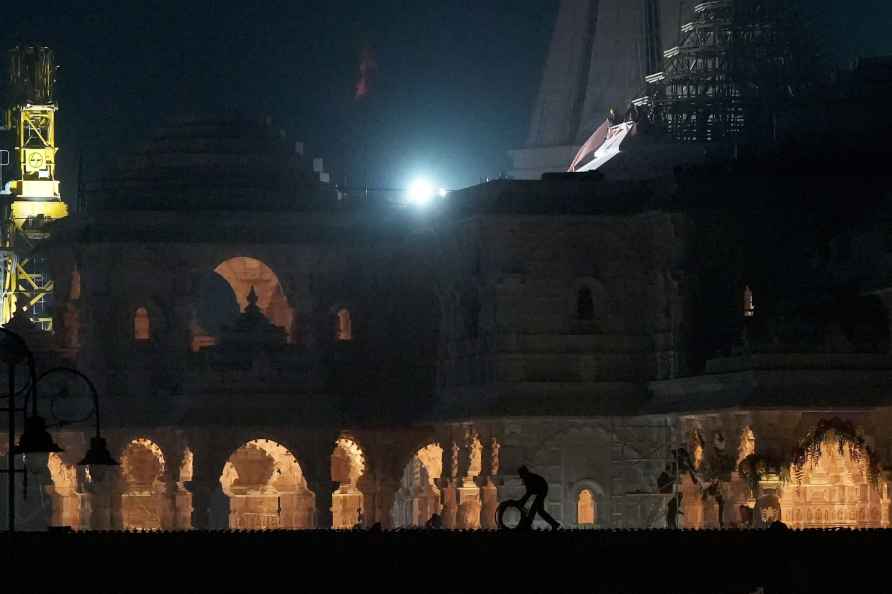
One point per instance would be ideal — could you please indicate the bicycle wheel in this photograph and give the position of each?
(510, 515)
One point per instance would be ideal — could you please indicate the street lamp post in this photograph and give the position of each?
(35, 438)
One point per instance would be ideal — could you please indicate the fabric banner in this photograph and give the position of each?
(591, 145)
(610, 147)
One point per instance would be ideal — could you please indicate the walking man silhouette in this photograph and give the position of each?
(536, 487)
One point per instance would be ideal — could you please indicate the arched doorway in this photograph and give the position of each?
(267, 489)
(143, 497)
(418, 497)
(223, 294)
(347, 467)
(586, 509)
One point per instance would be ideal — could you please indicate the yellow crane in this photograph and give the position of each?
(34, 201)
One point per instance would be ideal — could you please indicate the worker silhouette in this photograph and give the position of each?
(537, 487)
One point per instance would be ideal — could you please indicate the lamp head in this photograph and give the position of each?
(98, 455)
(36, 439)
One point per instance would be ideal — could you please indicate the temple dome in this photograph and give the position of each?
(208, 163)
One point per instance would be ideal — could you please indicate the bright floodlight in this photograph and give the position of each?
(421, 192)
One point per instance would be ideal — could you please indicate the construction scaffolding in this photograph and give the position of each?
(737, 62)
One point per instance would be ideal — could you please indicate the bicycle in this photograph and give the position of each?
(526, 519)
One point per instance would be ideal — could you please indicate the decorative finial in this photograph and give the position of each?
(252, 298)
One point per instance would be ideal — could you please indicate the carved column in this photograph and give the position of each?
(104, 501)
(448, 482)
(468, 493)
(491, 482)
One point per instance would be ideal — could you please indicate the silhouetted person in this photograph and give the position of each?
(665, 480)
(746, 516)
(537, 487)
(435, 523)
(376, 527)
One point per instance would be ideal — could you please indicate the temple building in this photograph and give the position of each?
(714, 342)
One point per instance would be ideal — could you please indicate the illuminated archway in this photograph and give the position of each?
(267, 489)
(240, 274)
(586, 509)
(142, 329)
(418, 497)
(143, 505)
(243, 273)
(347, 467)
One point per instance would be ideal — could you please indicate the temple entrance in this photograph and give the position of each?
(267, 489)
(418, 497)
(143, 497)
(347, 467)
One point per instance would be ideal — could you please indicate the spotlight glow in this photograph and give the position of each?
(421, 192)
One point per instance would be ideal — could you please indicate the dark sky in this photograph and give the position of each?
(455, 81)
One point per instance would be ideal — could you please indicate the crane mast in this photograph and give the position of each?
(33, 199)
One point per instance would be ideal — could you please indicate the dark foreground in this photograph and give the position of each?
(714, 562)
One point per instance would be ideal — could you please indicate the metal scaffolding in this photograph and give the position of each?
(734, 65)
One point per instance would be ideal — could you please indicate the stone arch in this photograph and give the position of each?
(267, 488)
(242, 273)
(348, 465)
(143, 505)
(216, 307)
(594, 490)
(419, 497)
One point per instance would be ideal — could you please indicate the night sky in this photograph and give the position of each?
(452, 90)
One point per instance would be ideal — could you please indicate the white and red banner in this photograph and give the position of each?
(603, 146)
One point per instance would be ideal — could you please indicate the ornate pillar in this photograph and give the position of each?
(448, 482)
(103, 499)
(491, 482)
(468, 493)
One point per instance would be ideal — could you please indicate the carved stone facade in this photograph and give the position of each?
(587, 329)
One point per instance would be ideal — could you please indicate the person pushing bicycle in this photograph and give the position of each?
(537, 487)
